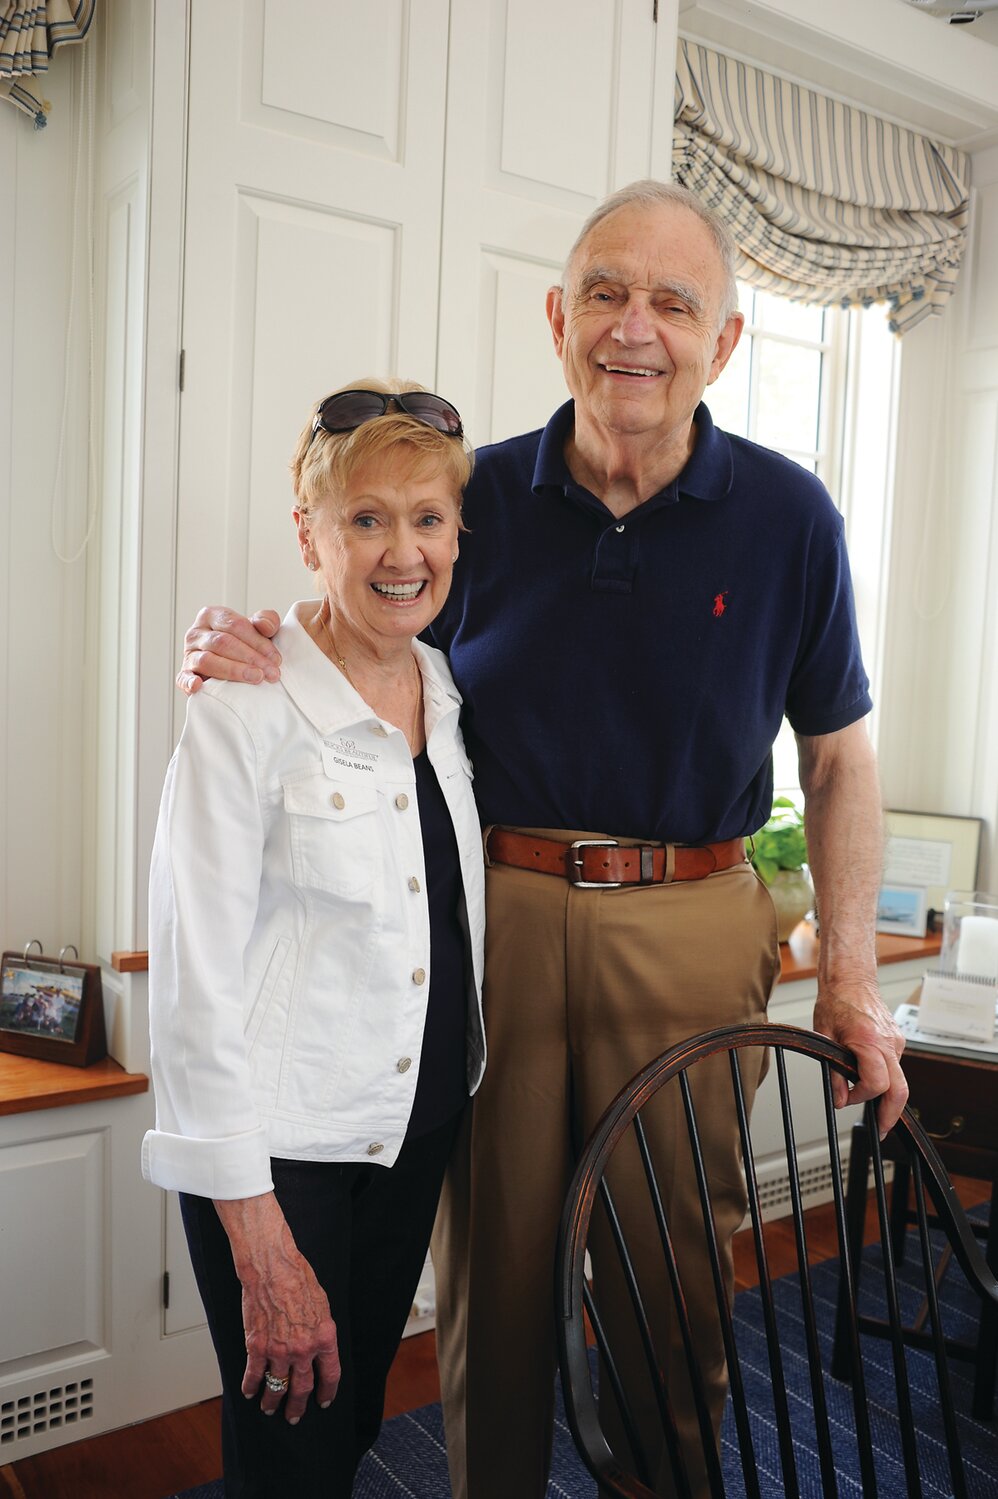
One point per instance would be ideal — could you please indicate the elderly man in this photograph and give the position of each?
(624, 673)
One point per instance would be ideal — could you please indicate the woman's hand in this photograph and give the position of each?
(289, 1330)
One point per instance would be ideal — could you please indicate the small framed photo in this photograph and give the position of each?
(902, 910)
(50, 1009)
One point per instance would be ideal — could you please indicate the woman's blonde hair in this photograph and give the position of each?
(323, 462)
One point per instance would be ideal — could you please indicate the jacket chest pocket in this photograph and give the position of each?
(334, 834)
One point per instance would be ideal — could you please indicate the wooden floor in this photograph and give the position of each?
(180, 1450)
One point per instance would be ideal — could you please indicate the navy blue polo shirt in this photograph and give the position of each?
(629, 676)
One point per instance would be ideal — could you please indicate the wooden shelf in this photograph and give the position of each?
(800, 955)
(27, 1084)
(130, 962)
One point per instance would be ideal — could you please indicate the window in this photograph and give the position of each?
(819, 385)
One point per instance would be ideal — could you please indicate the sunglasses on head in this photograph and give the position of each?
(350, 409)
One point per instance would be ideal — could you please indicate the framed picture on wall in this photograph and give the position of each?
(51, 1009)
(931, 852)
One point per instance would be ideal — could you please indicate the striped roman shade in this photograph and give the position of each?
(30, 31)
(827, 203)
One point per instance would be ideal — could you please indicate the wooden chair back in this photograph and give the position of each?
(789, 1429)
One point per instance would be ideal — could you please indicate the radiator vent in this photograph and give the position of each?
(815, 1187)
(46, 1410)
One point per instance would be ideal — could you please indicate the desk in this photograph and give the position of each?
(956, 1101)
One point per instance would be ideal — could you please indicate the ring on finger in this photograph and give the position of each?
(277, 1385)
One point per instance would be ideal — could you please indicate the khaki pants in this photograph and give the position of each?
(582, 988)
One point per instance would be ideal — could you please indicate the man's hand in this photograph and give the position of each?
(223, 644)
(856, 1017)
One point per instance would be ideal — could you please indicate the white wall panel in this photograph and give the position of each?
(983, 329)
(938, 733)
(42, 599)
(969, 518)
(53, 1248)
(550, 107)
(119, 565)
(335, 277)
(516, 358)
(185, 1311)
(314, 190)
(123, 67)
(557, 124)
(303, 62)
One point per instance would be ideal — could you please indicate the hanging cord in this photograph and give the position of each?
(83, 186)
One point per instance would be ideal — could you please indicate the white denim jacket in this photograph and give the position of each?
(289, 934)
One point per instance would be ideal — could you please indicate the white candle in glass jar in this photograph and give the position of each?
(977, 949)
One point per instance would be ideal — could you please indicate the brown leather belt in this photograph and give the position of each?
(604, 863)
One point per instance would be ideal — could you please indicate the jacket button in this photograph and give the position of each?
(376, 1148)
(419, 975)
(338, 801)
(414, 884)
(379, 731)
(401, 801)
(404, 1063)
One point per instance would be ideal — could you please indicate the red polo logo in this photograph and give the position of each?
(719, 604)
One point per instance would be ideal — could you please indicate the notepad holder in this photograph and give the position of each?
(958, 1008)
(959, 1001)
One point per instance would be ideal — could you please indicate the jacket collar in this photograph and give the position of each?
(323, 694)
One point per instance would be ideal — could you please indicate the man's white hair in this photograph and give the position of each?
(653, 194)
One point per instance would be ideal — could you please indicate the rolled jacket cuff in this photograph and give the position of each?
(225, 1169)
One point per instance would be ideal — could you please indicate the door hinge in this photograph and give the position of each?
(166, 1290)
(183, 366)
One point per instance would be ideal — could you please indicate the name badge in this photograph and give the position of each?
(343, 756)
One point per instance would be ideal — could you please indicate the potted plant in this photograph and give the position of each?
(779, 856)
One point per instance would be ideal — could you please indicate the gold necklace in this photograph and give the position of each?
(342, 664)
(340, 660)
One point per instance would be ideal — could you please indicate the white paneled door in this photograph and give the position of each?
(312, 244)
(384, 188)
(551, 105)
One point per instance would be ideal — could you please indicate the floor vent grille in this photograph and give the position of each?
(46, 1410)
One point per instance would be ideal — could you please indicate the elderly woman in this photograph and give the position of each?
(316, 951)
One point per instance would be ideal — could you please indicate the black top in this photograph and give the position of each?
(442, 1087)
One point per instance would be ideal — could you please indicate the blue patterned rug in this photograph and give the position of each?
(409, 1461)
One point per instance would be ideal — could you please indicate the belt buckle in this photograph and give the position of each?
(593, 884)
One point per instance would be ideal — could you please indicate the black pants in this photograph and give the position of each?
(364, 1229)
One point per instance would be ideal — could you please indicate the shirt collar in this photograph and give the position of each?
(707, 476)
(323, 694)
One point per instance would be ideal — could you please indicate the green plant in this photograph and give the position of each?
(781, 844)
